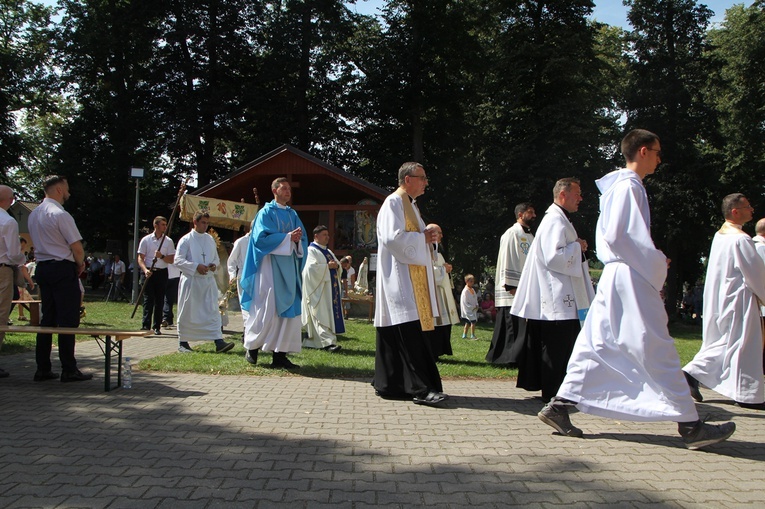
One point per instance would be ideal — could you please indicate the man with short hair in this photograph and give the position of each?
(60, 261)
(405, 300)
(322, 312)
(153, 261)
(513, 248)
(625, 364)
(118, 276)
(730, 359)
(10, 257)
(198, 314)
(272, 280)
(554, 293)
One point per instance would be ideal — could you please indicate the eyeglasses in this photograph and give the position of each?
(423, 177)
(658, 151)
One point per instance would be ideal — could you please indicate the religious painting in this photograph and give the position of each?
(366, 227)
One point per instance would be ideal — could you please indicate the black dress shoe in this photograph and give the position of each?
(75, 376)
(751, 406)
(333, 348)
(223, 347)
(4, 373)
(41, 376)
(430, 399)
(693, 384)
(251, 356)
(281, 361)
(157, 332)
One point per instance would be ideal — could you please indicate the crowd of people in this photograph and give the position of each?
(606, 352)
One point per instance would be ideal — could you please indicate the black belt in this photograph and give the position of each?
(55, 261)
(156, 270)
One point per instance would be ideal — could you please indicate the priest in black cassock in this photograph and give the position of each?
(405, 300)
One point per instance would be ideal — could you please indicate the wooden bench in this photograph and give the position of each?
(33, 306)
(110, 343)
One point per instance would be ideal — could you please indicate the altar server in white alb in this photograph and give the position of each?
(235, 264)
(198, 315)
(513, 249)
(624, 365)
(440, 337)
(553, 294)
(322, 309)
(272, 280)
(730, 359)
(405, 301)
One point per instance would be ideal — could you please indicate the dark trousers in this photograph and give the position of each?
(507, 342)
(154, 299)
(60, 295)
(545, 358)
(404, 363)
(171, 297)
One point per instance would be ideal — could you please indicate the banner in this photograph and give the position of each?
(223, 213)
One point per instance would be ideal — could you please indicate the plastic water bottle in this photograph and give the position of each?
(127, 374)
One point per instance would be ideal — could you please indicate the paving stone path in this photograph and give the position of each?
(188, 441)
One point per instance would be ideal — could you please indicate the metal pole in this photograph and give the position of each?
(136, 268)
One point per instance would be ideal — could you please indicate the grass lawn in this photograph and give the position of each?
(355, 360)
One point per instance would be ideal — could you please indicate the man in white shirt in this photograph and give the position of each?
(10, 257)
(118, 275)
(60, 261)
(153, 261)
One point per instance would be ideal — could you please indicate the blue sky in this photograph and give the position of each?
(612, 12)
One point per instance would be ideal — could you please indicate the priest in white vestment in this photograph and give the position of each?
(625, 364)
(322, 310)
(272, 280)
(730, 359)
(554, 293)
(198, 314)
(759, 243)
(235, 264)
(405, 300)
(448, 315)
(514, 247)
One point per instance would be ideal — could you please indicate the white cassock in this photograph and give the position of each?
(235, 263)
(625, 364)
(398, 248)
(730, 359)
(317, 307)
(198, 314)
(513, 249)
(264, 328)
(447, 308)
(555, 283)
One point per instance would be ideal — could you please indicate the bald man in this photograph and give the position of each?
(10, 257)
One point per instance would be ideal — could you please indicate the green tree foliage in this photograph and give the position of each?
(737, 89)
(105, 53)
(24, 78)
(668, 71)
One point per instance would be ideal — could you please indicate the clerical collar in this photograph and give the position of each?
(568, 214)
(526, 229)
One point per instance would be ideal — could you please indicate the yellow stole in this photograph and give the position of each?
(418, 273)
(728, 228)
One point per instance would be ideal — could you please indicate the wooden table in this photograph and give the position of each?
(33, 306)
